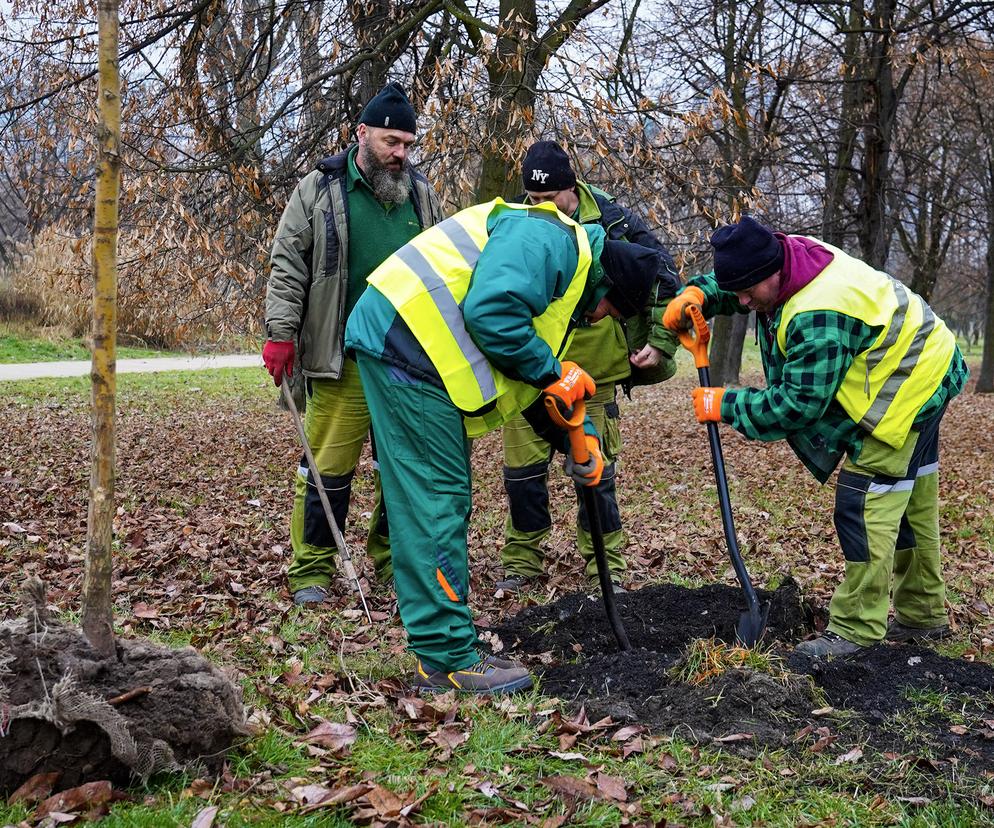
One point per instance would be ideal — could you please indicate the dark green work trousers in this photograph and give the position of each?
(424, 457)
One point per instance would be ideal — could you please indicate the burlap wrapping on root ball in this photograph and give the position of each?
(65, 709)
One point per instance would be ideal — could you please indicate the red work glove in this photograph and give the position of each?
(673, 318)
(278, 357)
(573, 384)
(707, 404)
(589, 473)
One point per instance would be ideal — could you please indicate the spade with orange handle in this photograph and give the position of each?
(578, 449)
(752, 623)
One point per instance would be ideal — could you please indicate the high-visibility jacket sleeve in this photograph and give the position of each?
(527, 262)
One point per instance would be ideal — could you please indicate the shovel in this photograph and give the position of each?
(752, 623)
(580, 453)
(315, 478)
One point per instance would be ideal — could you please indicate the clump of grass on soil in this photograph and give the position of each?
(707, 658)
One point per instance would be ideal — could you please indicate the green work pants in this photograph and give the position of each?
(336, 422)
(887, 519)
(526, 481)
(425, 471)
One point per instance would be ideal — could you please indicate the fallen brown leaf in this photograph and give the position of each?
(35, 789)
(83, 798)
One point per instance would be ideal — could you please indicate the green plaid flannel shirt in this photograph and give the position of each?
(799, 403)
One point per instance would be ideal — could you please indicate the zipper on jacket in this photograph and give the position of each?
(866, 382)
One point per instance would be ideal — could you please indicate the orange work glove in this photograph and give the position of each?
(707, 404)
(573, 384)
(589, 473)
(673, 318)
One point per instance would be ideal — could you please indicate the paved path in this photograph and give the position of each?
(81, 368)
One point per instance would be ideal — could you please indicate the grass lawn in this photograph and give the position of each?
(204, 479)
(19, 348)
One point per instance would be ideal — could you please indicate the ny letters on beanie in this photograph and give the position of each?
(546, 168)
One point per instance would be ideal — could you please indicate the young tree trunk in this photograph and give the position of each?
(97, 611)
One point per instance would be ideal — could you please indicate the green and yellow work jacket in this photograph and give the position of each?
(482, 305)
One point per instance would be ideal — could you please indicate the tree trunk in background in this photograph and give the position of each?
(985, 380)
(308, 44)
(97, 609)
(872, 226)
(727, 339)
(839, 171)
(512, 73)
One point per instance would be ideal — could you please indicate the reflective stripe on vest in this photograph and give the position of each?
(886, 385)
(427, 280)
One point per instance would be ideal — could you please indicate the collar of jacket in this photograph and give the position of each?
(336, 166)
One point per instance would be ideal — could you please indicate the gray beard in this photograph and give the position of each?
(389, 187)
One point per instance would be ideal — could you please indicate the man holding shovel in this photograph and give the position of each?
(460, 330)
(639, 354)
(856, 365)
(342, 221)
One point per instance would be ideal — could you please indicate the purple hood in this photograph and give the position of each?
(803, 259)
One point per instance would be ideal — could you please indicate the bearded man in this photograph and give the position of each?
(343, 219)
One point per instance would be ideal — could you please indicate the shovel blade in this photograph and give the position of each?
(752, 625)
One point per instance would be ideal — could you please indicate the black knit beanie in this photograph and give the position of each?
(390, 109)
(631, 271)
(546, 168)
(745, 254)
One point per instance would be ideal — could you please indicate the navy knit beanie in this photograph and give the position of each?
(546, 168)
(390, 109)
(631, 271)
(745, 254)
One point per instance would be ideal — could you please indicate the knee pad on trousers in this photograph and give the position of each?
(607, 503)
(528, 497)
(317, 532)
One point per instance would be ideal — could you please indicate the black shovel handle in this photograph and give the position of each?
(578, 449)
(752, 623)
(603, 571)
(724, 501)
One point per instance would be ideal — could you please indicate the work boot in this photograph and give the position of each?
(310, 595)
(484, 678)
(896, 631)
(828, 645)
(516, 583)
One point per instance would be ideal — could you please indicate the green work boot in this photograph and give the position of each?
(828, 645)
(896, 631)
(484, 678)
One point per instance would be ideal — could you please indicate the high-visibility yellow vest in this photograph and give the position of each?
(887, 384)
(426, 282)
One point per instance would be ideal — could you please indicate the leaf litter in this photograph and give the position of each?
(204, 504)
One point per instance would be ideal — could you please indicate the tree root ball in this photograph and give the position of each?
(66, 710)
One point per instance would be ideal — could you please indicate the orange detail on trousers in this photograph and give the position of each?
(445, 585)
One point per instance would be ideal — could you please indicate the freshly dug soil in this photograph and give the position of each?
(176, 708)
(908, 698)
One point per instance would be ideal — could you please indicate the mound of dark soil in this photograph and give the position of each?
(907, 698)
(913, 698)
(67, 710)
(662, 619)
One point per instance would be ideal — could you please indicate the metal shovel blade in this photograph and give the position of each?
(752, 624)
